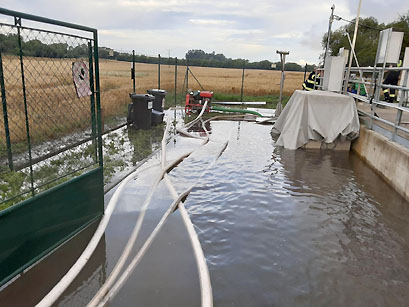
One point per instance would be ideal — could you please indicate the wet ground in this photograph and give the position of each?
(277, 227)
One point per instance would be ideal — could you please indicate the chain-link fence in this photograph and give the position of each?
(48, 131)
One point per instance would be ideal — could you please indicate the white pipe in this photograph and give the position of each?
(67, 279)
(204, 277)
(131, 241)
(63, 284)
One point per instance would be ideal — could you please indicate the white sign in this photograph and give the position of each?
(390, 44)
(80, 75)
(334, 70)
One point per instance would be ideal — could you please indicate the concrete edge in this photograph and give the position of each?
(389, 159)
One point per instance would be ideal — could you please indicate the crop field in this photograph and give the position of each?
(51, 97)
(57, 117)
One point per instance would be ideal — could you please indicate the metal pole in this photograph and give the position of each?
(5, 115)
(242, 81)
(176, 77)
(187, 75)
(159, 71)
(133, 69)
(18, 24)
(398, 118)
(97, 92)
(357, 64)
(353, 46)
(305, 71)
(331, 19)
(92, 98)
(198, 82)
(282, 58)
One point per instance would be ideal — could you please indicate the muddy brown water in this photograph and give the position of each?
(277, 227)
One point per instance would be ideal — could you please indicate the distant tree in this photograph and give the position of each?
(367, 37)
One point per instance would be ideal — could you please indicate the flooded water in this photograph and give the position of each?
(277, 227)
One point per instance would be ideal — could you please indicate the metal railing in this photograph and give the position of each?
(389, 119)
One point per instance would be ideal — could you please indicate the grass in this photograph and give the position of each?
(122, 150)
(271, 100)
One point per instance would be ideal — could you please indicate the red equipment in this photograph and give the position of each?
(196, 100)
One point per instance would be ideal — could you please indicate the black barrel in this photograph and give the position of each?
(158, 105)
(159, 102)
(140, 111)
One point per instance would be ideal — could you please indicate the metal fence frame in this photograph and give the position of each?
(95, 102)
(37, 225)
(373, 98)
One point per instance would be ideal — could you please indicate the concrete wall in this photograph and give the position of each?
(389, 159)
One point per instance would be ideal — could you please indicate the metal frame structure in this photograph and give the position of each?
(47, 212)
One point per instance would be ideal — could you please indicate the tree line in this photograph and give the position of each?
(367, 37)
(195, 57)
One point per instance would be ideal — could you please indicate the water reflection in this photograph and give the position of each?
(33, 285)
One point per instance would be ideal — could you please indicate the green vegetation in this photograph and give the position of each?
(122, 149)
(271, 100)
(367, 38)
(37, 48)
(197, 57)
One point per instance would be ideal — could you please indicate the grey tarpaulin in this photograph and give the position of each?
(316, 115)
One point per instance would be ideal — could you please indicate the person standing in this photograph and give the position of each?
(392, 78)
(309, 83)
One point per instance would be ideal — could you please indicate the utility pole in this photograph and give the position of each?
(279, 107)
(331, 19)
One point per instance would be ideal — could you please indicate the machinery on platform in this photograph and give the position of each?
(195, 101)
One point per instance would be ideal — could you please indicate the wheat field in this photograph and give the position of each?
(54, 108)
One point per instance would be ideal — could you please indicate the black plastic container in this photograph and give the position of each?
(140, 111)
(159, 102)
(158, 105)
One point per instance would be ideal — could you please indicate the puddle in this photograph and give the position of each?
(277, 227)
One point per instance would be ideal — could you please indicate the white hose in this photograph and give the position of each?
(204, 277)
(67, 279)
(99, 296)
(132, 239)
(63, 284)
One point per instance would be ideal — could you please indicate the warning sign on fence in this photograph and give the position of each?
(80, 75)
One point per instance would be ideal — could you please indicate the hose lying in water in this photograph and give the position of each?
(132, 239)
(216, 108)
(68, 278)
(204, 278)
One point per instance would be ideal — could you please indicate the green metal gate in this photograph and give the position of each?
(51, 170)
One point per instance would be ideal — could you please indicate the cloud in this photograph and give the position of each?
(214, 22)
(237, 28)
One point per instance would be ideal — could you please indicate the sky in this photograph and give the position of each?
(249, 29)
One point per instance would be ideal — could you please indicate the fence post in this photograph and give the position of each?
(159, 71)
(133, 70)
(305, 71)
(18, 25)
(242, 81)
(5, 116)
(97, 92)
(398, 118)
(176, 77)
(187, 75)
(92, 98)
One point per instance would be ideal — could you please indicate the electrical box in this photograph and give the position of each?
(334, 70)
